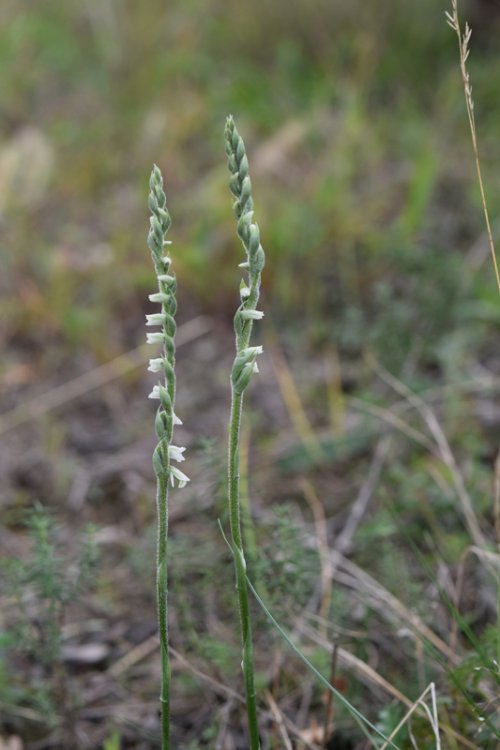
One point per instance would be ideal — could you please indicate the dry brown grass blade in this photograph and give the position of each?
(43, 403)
(274, 155)
(433, 717)
(389, 606)
(293, 402)
(135, 655)
(369, 675)
(278, 717)
(373, 679)
(335, 394)
(482, 555)
(318, 512)
(360, 504)
(221, 689)
(390, 417)
(443, 446)
(22, 712)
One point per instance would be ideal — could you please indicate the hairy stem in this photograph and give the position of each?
(162, 606)
(240, 566)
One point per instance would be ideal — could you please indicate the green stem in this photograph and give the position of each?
(234, 468)
(162, 604)
(240, 566)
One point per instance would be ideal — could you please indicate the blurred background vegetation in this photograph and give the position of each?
(354, 119)
(355, 126)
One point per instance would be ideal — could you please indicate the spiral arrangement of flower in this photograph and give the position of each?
(165, 452)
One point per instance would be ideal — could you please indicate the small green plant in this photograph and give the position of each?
(244, 366)
(113, 742)
(165, 452)
(41, 589)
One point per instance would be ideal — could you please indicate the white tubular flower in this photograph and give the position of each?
(244, 290)
(159, 297)
(156, 364)
(182, 479)
(155, 338)
(252, 314)
(156, 319)
(176, 419)
(252, 351)
(155, 393)
(166, 278)
(175, 453)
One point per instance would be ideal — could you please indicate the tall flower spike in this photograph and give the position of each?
(165, 418)
(244, 366)
(248, 232)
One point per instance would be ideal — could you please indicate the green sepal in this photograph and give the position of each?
(159, 464)
(163, 425)
(257, 261)
(246, 193)
(165, 399)
(238, 145)
(234, 185)
(170, 324)
(242, 381)
(253, 239)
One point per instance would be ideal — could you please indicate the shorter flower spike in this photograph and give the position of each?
(165, 296)
(165, 418)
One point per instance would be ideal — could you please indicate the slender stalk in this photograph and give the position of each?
(243, 367)
(165, 419)
(453, 21)
(463, 48)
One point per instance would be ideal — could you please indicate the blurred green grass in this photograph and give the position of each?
(354, 119)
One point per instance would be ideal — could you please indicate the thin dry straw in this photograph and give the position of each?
(463, 47)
